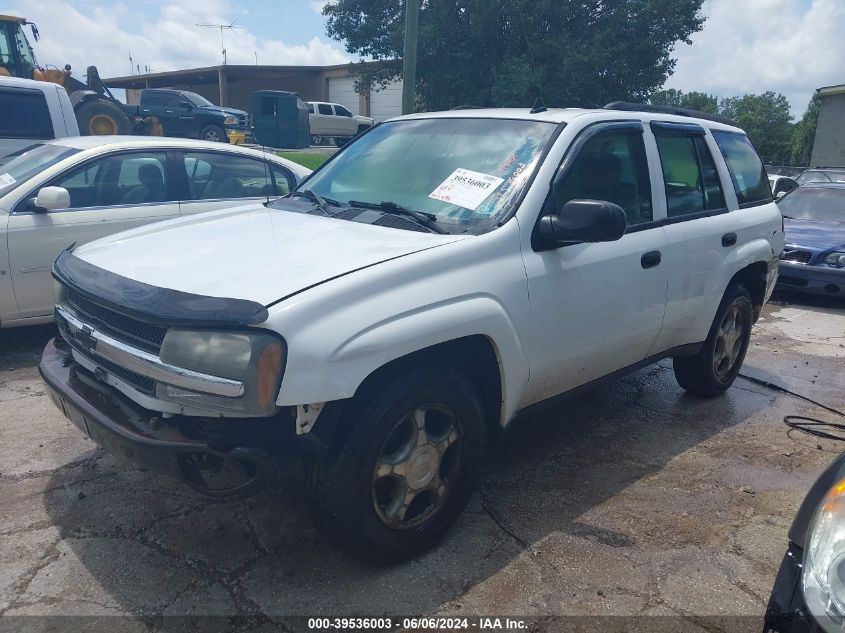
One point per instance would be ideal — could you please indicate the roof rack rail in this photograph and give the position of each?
(469, 107)
(647, 107)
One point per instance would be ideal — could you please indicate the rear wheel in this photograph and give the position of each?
(715, 367)
(407, 469)
(316, 140)
(213, 133)
(98, 118)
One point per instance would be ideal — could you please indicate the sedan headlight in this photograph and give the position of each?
(230, 120)
(823, 578)
(254, 358)
(835, 259)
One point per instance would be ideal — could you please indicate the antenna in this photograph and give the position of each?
(223, 27)
(131, 64)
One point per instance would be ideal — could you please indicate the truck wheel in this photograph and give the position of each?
(98, 118)
(213, 133)
(715, 367)
(316, 140)
(407, 469)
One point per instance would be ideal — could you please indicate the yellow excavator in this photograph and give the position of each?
(97, 111)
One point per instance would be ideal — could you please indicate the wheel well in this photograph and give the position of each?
(753, 278)
(475, 356)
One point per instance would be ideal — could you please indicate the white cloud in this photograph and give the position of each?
(751, 46)
(84, 34)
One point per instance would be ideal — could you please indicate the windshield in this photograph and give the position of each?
(817, 203)
(468, 173)
(197, 100)
(818, 175)
(18, 167)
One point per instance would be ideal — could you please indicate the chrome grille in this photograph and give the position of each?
(149, 336)
(141, 383)
(796, 256)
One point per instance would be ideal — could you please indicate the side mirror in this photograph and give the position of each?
(784, 186)
(51, 198)
(584, 221)
(186, 105)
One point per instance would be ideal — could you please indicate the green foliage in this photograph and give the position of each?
(311, 160)
(507, 52)
(804, 133)
(700, 101)
(768, 122)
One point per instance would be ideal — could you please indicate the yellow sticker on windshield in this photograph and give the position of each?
(466, 188)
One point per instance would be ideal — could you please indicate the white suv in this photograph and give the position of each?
(439, 275)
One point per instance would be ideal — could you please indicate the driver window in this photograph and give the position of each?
(612, 166)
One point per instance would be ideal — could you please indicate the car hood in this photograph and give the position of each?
(255, 253)
(814, 234)
(223, 111)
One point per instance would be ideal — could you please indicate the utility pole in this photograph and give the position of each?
(409, 60)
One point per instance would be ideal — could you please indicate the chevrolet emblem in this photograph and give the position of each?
(85, 338)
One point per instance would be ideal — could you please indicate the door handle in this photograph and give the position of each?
(651, 259)
(728, 239)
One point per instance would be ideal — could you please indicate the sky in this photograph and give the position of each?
(787, 46)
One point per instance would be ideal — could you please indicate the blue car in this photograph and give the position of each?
(814, 257)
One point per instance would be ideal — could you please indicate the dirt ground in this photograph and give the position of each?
(634, 499)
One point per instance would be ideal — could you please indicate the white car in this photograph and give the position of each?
(65, 192)
(399, 309)
(33, 111)
(332, 122)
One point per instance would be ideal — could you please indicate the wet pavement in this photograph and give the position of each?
(634, 499)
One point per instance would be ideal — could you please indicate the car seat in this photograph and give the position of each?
(151, 188)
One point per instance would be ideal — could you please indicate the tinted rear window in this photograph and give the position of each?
(25, 114)
(747, 173)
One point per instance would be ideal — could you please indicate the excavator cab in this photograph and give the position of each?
(16, 56)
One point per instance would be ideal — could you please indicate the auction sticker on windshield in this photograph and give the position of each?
(466, 188)
(6, 180)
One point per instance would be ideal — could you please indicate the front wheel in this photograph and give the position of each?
(407, 469)
(715, 367)
(213, 133)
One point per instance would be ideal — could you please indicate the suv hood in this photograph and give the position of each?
(254, 253)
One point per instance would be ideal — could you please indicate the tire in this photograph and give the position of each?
(361, 497)
(316, 140)
(213, 133)
(98, 117)
(712, 371)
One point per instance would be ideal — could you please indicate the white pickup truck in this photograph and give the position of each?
(33, 111)
(332, 122)
(441, 274)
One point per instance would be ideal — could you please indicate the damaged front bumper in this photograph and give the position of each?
(217, 456)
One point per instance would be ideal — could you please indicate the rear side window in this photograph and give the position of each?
(325, 108)
(747, 172)
(25, 114)
(689, 174)
(151, 98)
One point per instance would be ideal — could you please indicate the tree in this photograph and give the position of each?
(507, 52)
(768, 122)
(804, 133)
(692, 100)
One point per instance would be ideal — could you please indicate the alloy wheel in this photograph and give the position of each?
(729, 340)
(417, 466)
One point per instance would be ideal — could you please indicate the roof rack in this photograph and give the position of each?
(647, 107)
